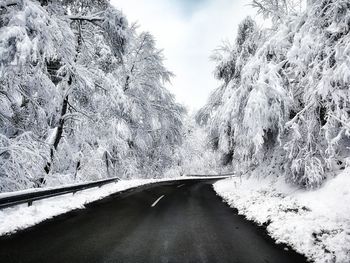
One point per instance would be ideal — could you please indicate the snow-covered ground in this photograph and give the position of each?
(23, 216)
(315, 223)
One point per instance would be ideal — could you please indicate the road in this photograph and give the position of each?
(182, 221)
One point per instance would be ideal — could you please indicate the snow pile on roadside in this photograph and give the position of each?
(22, 216)
(315, 223)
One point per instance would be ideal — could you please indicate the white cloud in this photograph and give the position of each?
(188, 38)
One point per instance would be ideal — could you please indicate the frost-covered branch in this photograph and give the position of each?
(345, 124)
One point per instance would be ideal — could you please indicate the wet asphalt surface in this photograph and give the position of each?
(190, 223)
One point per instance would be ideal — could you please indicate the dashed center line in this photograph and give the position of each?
(155, 202)
(180, 185)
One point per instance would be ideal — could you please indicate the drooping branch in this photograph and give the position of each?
(9, 3)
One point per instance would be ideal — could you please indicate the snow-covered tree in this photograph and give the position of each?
(152, 115)
(223, 111)
(82, 95)
(318, 133)
(285, 94)
(194, 156)
(31, 41)
(278, 10)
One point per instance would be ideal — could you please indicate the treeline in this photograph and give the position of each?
(284, 102)
(82, 96)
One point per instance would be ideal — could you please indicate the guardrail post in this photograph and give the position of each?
(30, 203)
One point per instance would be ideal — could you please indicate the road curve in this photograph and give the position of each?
(182, 221)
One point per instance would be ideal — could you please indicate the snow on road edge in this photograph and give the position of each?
(315, 223)
(21, 216)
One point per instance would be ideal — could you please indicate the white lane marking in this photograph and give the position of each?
(180, 185)
(155, 202)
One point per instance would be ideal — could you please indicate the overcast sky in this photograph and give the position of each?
(188, 31)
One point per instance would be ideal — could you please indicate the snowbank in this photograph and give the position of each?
(315, 223)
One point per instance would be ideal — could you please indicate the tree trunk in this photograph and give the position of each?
(63, 113)
(59, 133)
(64, 109)
(77, 168)
(107, 163)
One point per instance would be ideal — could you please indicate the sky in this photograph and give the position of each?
(188, 31)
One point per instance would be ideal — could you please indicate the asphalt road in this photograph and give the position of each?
(173, 222)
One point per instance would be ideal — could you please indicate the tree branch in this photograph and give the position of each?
(85, 18)
(9, 3)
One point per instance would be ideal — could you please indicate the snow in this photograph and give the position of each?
(278, 100)
(51, 136)
(315, 223)
(23, 216)
(32, 190)
(113, 110)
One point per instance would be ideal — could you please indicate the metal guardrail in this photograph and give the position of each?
(42, 194)
(212, 175)
(30, 197)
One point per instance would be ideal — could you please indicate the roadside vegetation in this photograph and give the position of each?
(284, 99)
(82, 96)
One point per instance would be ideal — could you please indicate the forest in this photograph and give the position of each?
(82, 96)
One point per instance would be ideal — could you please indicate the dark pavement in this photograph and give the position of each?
(190, 223)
